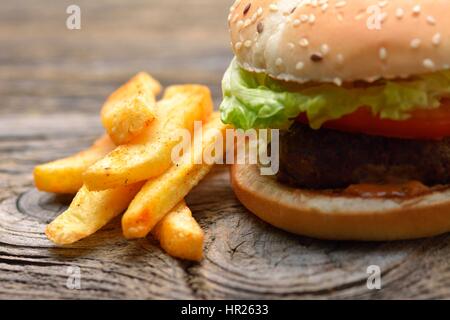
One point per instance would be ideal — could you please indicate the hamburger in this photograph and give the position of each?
(360, 91)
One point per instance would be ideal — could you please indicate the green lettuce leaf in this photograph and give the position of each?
(254, 100)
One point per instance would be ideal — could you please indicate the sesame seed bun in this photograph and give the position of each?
(338, 217)
(341, 41)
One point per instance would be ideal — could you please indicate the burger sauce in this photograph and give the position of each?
(398, 190)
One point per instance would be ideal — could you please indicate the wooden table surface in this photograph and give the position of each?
(52, 83)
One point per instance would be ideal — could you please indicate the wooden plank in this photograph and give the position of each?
(52, 83)
(245, 258)
(44, 67)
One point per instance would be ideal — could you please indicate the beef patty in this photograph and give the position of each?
(330, 159)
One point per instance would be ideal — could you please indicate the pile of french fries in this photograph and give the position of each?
(130, 169)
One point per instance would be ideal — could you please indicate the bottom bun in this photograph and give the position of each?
(335, 217)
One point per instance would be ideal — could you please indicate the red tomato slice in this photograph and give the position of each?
(423, 124)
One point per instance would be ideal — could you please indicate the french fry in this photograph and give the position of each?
(141, 81)
(122, 113)
(159, 195)
(149, 155)
(131, 108)
(177, 91)
(179, 234)
(88, 212)
(65, 175)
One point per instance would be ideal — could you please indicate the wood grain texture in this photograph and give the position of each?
(52, 82)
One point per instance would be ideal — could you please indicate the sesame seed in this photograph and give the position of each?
(291, 45)
(431, 20)
(248, 43)
(382, 4)
(300, 66)
(303, 42)
(383, 53)
(360, 16)
(296, 23)
(428, 63)
(416, 9)
(316, 57)
(324, 48)
(304, 17)
(340, 17)
(238, 46)
(260, 27)
(259, 12)
(273, 7)
(312, 19)
(340, 58)
(240, 24)
(399, 13)
(247, 23)
(415, 43)
(293, 10)
(324, 7)
(279, 62)
(436, 40)
(337, 81)
(341, 4)
(247, 8)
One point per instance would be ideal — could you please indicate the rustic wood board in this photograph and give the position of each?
(52, 82)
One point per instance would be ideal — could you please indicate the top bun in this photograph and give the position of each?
(341, 41)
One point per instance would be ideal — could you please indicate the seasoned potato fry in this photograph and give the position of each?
(141, 81)
(179, 234)
(150, 154)
(88, 212)
(65, 175)
(131, 108)
(159, 195)
(206, 104)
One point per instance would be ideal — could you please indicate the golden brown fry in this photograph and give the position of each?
(159, 195)
(88, 212)
(140, 82)
(131, 108)
(189, 89)
(150, 154)
(179, 234)
(65, 175)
